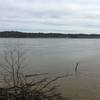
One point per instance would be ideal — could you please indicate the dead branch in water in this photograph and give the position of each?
(23, 87)
(76, 67)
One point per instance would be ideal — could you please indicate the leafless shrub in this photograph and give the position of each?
(28, 87)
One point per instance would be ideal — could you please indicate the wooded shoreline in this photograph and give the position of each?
(16, 34)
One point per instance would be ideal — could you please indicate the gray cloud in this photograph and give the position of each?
(50, 15)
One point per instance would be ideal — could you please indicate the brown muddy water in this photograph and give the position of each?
(59, 56)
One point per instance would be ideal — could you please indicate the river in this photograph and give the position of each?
(59, 56)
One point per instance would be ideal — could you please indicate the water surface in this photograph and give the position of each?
(60, 56)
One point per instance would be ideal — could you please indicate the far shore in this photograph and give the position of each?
(17, 34)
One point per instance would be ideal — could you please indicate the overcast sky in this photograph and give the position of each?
(68, 16)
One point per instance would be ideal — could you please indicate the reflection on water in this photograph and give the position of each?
(60, 56)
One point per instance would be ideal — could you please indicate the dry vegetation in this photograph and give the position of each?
(20, 86)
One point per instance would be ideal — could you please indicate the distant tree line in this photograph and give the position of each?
(83, 35)
(16, 34)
